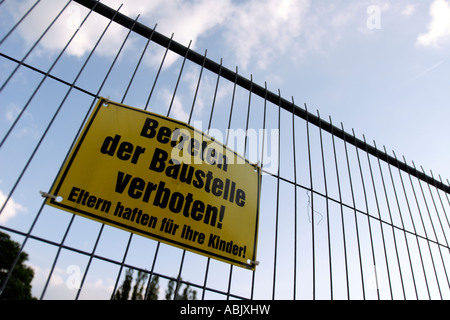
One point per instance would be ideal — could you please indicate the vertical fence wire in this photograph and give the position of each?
(131, 234)
(396, 258)
(277, 210)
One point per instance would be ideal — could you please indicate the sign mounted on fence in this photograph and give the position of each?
(162, 179)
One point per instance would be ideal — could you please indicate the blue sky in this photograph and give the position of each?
(380, 67)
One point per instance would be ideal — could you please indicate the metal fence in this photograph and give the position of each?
(340, 217)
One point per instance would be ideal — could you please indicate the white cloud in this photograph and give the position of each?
(64, 27)
(187, 20)
(30, 130)
(190, 19)
(251, 30)
(11, 209)
(252, 33)
(12, 113)
(262, 30)
(439, 28)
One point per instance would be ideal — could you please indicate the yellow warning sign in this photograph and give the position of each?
(162, 179)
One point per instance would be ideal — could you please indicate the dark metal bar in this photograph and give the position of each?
(196, 89)
(206, 278)
(418, 245)
(437, 212)
(295, 202)
(229, 282)
(157, 74)
(248, 116)
(442, 203)
(91, 257)
(381, 222)
(152, 269)
(137, 66)
(209, 127)
(355, 217)
(393, 233)
(189, 121)
(342, 213)
(327, 208)
(232, 106)
(312, 207)
(229, 127)
(130, 238)
(261, 183)
(98, 92)
(56, 257)
(177, 287)
(178, 81)
(277, 206)
(404, 231)
(367, 211)
(219, 75)
(245, 148)
(48, 75)
(131, 234)
(428, 243)
(448, 200)
(443, 232)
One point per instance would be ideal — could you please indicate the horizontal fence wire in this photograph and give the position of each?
(340, 218)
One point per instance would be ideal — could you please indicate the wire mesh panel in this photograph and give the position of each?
(340, 218)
